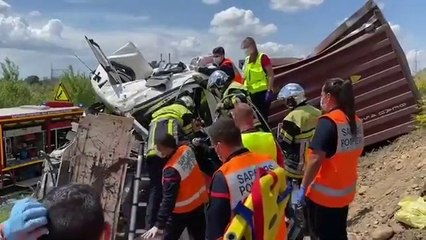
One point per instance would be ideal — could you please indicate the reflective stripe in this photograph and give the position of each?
(192, 199)
(333, 192)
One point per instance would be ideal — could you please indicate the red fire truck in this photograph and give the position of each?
(25, 131)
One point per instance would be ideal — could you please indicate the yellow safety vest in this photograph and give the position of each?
(260, 142)
(255, 78)
(233, 86)
(173, 111)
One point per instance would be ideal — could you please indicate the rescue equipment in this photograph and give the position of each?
(261, 216)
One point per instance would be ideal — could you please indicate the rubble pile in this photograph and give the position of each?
(385, 176)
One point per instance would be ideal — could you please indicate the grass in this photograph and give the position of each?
(420, 80)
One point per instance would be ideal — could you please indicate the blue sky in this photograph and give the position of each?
(39, 33)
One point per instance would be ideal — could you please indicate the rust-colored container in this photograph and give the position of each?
(364, 45)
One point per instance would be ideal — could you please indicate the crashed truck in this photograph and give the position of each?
(363, 48)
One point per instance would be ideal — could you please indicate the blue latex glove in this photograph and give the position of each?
(300, 197)
(269, 97)
(27, 221)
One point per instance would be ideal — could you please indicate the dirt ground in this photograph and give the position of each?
(385, 176)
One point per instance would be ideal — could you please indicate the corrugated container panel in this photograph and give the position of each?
(386, 96)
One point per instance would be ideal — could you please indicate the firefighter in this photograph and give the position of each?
(230, 92)
(220, 62)
(258, 76)
(177, 120)
(297, 128)
(253, 139)
(331, 170)
(294, 135)
(233, 181)
(184, 193)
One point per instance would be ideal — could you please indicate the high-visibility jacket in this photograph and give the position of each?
(240, 172)
(255, 78)
(305, 117)
(260, 142)
(174, 111)
(233, 95)
(264, 207)
(335, 184)
(238, 76)
(192, 190)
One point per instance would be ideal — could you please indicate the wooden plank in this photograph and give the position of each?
(103, 141)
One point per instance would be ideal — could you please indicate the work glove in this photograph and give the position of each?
(269, 97)
(300, 197)
(219, 107)
(28, 220)
(152, 233)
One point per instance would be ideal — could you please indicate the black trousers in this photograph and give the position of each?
(155, 166)
(327, 223)
(258, 100)
(194, 221)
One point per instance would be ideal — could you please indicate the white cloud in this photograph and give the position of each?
(4, 7)
(280, 50)
(294, 5)
(34, 13)
(52, 42)
(233, 24)
(211, 2)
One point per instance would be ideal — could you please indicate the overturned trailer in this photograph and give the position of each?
(365, 47)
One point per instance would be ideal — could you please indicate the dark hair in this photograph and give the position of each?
(249, 41)
(166, 140)
(74, 212)
(342, 91)
(225, 131)
(219, 50)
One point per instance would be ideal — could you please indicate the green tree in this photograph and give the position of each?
(10, 70)
(78, 86)
(33, 79)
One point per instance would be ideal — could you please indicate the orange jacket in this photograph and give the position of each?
(192, 191)
(238, 76)
(335, 184)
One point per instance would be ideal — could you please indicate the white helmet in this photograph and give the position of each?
(188, 102)
(293, 94)
(218, 79)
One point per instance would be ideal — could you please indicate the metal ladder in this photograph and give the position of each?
(137, 179)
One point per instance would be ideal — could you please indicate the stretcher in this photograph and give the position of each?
(261, 214)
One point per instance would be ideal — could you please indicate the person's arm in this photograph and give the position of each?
(207, 70)
(289, 130)
(219, 209)
(171, 182)
(236, 97)
(323, 145)
(187, 120)
(267, 66)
